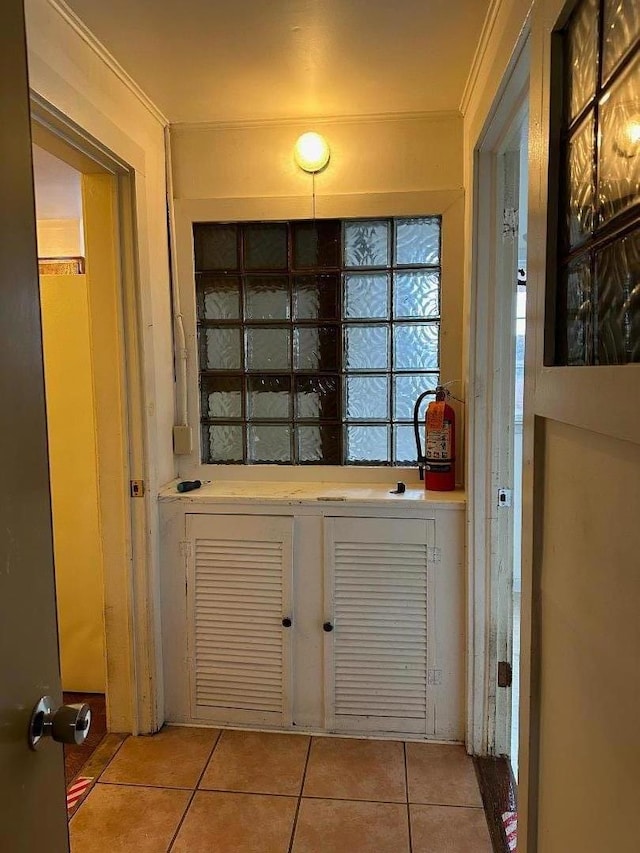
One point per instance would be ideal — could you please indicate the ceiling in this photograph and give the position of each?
(200, 60)
(57, 187)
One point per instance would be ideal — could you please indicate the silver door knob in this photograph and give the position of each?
(69, 724)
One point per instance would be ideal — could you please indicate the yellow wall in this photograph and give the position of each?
(74, 487)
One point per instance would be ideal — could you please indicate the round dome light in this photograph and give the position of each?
(311, 152)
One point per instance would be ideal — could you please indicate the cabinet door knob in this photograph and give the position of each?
(287, 622)
(328, 627)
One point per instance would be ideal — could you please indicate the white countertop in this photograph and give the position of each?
(240, 492)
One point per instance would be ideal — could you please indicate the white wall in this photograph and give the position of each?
(378, 167)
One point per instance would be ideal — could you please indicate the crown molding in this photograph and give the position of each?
(80, 28)
(315, 121)
(483, 43)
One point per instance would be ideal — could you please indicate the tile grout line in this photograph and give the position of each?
(194, 791)
(95, 781)
(304, 776)
(406, 782)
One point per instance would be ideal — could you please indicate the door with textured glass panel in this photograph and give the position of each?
(581, 496)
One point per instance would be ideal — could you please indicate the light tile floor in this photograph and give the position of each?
(188, 790)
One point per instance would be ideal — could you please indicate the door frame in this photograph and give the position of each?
(484, 390)
(134, 670)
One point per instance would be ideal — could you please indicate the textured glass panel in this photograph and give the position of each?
(416, 294)
(220, 349)
(418, 241)
(315, 297)
(265, 246)
(316, 244)
(367, 443)
(406, 390)
(618, 311)
(317, 397)
(577, 288)
(221, 397)
(266, 298)
(218, 297)
(367, 347)
(316, 347)
(269, 443)
(405, 451)
(269, 397)
(215, 247)
(222, 443)
(366, 295)
(581, 56)
(366, 244)
(619, 162)
(416, 347)
(268, 349)
(367, 398)
(621, 30)
(581, 191)
(319, 445)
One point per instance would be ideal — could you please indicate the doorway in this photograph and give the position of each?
(66, 319)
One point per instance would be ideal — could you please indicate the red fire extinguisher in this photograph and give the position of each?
(437, 465)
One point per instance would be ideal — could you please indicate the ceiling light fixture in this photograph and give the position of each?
(311, 152)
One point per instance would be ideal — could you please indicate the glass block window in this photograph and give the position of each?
(315, 338)
(597, 317)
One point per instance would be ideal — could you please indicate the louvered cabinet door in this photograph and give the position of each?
(377, 599)
(238, 591)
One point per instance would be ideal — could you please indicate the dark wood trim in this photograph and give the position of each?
(499, 795)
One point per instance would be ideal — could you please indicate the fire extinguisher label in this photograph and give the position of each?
(439, 443)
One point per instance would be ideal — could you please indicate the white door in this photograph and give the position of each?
(378, 614)
(579, 747)
(239, 600)
(33, 813)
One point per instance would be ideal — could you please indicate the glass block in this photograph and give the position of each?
(416, 294)
(619, 160)
(215, 246)
(418, 241)
(269, 397)
(316, 347)
(367, 347)
(581, 178)
(317, 397)
(318, 444)
(366, 295)
(406, 390)
(367, 398)
(621, 30)
(222, 444)
(220, 348)
(366, 244)
(221, 397)
(581, 56)
(618, 308)
(405, 451)
(367, 444)
(268, 349)
(316, 243)
(416, 347)
(265, 246)
(218, 297)
(266, 298)
(316, 297)
(574, 340)
(269, 443)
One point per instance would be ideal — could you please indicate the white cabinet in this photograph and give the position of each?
(377, 647)
(238, 595)
(375, 594)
